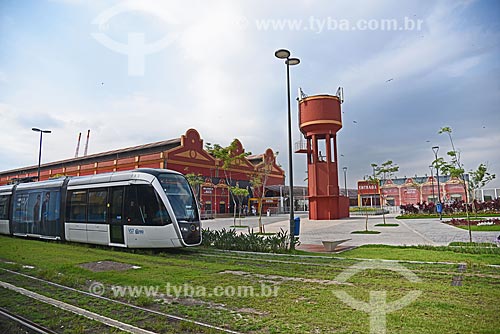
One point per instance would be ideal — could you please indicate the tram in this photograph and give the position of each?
(141, 208)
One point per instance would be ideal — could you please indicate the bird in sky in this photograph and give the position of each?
(389, 80)
(355, 122)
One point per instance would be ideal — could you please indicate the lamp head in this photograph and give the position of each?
(40, 130)
(435, 149)
(282, 54)
(292, 61)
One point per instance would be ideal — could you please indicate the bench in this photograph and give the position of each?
(331, 245)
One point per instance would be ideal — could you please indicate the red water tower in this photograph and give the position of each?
(320, 118)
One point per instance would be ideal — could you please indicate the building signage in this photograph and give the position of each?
(207, 190)
(455, 188)
(411, 195)
(390, 191)
(366, 188)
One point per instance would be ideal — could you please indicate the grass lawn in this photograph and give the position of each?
(304, 302)
(387, 225)
(428, 254)
(435, 215)
(480, 228)
(365, 232)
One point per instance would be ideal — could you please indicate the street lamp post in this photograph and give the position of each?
(40, 148)
(345, 180)
(432, 183)
(435, 149)
(285, 54)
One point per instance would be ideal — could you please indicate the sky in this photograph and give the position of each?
(135, 72)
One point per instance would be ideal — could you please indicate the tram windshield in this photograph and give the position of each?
(180, 196)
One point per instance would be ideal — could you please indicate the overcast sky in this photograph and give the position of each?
(139, 72)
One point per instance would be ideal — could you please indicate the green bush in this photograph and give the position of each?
(251, 242)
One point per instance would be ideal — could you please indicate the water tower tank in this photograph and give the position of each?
(320, 118)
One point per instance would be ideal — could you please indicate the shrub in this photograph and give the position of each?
(251, 242)
(459, 221)
(453, 207)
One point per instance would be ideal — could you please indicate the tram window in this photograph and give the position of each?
(116, 205)
(143, 206)
(77, 205)
(37, 212)
(97, 205)
(4, 207)
(131, 206)
(180, 196)
(49, 212)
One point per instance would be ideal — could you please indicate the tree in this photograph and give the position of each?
(455, 168)
(477, 180)
(195, 180)
(229, 156)
(240, 194)
(259, 181)
(382, 173)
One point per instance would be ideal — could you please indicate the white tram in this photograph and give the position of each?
(142, 208)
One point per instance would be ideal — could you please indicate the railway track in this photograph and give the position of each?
(97, 317)
(23, 324)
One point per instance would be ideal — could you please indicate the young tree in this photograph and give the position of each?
(382, 173)
(240, 194)
(366, 216)
(455, 168)
(195, 180)
(477, 180)
(229, 156)
(259, 181)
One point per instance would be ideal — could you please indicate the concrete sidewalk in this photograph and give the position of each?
(409, 232)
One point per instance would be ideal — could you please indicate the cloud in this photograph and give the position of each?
(220, 76)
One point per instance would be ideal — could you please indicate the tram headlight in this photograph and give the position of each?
(184, 229)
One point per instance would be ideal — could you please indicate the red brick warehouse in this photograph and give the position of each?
(185, 155)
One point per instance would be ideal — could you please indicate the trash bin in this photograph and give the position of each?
(296, 226)
(439, 208)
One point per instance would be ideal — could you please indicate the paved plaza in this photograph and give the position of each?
(409, 232)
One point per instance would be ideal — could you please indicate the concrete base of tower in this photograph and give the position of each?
(328, 207)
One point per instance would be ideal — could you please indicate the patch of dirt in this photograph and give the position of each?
(250, 310)
(107, 266)
(275, 279)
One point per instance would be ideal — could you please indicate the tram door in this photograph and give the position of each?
(116, 235)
